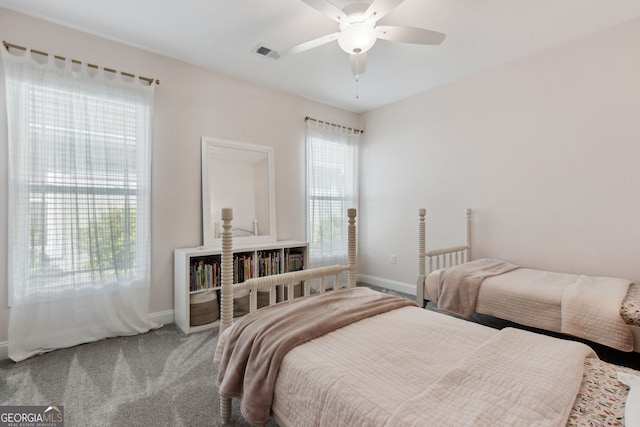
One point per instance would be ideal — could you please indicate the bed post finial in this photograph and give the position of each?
(351, 250)
(226, 273)
(468, 219)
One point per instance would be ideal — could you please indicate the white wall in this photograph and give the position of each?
(545, 150)
(189, 103)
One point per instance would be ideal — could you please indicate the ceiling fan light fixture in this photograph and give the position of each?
(357, 38)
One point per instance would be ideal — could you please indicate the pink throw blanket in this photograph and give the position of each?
(460, 284)
(258, 342)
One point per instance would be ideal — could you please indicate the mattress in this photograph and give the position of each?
(502, 296)
(312, 389)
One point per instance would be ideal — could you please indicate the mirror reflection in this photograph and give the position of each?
(239, 176)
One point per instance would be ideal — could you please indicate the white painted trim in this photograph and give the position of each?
(164, 317)
(388, 284)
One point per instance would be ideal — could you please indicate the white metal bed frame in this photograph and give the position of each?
(272, 282)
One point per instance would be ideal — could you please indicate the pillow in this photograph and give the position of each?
(632, 406)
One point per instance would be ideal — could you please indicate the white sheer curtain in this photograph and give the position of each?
(79, 201)
(332, 188)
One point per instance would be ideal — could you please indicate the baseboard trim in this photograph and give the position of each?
(165, 317)
(4, 350)
(387, 284)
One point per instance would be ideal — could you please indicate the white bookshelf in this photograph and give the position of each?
(184, 258)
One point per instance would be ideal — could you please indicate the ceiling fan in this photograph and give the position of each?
(359, 32)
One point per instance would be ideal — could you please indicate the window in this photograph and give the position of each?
(79, 203)
(332, 188)
(82, 188)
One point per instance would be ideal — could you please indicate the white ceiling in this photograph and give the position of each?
(221, 35)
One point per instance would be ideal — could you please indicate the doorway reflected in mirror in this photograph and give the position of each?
(240, 176)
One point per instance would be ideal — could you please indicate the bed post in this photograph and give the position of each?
(351, 250)
(421, 257)
(469, 253)
(226, 271)
(226, 290)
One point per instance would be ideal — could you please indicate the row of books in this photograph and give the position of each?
(242, 268)
(205, 273)
(268, 263)
(294, 261)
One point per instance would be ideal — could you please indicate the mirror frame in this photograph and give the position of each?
(209, 206)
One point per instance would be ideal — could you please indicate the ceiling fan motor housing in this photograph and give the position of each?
(357, 38)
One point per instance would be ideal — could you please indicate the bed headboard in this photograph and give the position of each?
(439, 258)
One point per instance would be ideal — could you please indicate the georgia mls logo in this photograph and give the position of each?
(57, 412)
(32, 416)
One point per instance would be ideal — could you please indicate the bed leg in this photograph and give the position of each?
(225, 409)
(420, 291)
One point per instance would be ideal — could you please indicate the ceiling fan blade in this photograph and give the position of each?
(358, 63)
(409, 35)
(328, 9)
(309, 44)
(380, 8)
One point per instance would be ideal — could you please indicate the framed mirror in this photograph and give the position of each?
(239, 176)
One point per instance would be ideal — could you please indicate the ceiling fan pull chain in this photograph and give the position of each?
(357, 76)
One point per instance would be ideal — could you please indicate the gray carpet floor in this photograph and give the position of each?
(161, 378)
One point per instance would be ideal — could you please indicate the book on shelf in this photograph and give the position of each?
(268, 263)
(294, 261)
(242, 268)
(204, 274)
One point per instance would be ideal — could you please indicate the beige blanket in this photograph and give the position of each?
(584, 306)
(460, 284)
(591, 310)
(257, 343)
(516, 378)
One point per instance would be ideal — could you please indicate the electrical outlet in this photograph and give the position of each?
(393, 259)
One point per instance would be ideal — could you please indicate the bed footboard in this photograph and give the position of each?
(270, 283)
(325, 276)
(438, 258)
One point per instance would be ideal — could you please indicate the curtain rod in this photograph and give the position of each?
(62, 58)
(333, 124)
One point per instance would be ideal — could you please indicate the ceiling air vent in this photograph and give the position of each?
(265, 51)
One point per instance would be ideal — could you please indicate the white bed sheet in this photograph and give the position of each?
(501, 296)
(352, 377)
(397, 368)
